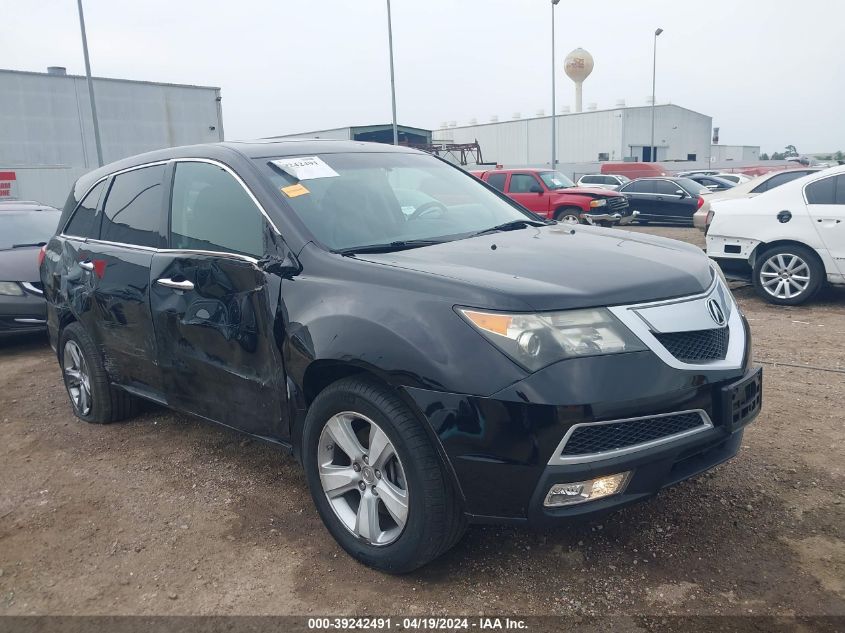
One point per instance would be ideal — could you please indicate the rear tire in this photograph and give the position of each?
(350, 491)
(92, 396)
(788, 275)
(568, 215)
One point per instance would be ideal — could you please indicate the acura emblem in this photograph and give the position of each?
(716, 312)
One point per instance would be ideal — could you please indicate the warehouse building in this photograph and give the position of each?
(382, 133)
(621, 133)
(47, 133)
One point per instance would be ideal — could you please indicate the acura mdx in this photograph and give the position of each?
(433, 354)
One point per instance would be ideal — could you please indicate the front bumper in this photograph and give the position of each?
(501, 449)
(614, 218)
(22, 314)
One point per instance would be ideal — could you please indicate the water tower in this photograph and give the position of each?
(578, 65)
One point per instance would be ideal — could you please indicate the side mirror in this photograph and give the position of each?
(536, 189)
(286, 266)
(681, 192)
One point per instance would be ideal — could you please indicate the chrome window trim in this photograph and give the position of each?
(197, 159)
(240, 181)
(166, 251)
(630, 317)
(557, 458)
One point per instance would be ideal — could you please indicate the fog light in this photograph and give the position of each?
(590, 490)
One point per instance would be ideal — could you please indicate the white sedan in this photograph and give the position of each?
(790, 240)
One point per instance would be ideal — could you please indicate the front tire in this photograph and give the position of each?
(788, 275)
(377, 481)
(568, 215)
(91, 395)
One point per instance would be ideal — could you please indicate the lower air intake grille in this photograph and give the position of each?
(699, 346)
(601, 438)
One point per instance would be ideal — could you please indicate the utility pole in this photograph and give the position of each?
(392, 79)
(91, 86)
(554, 119)
(653, 149)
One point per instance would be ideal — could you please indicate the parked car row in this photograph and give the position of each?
(433, 353)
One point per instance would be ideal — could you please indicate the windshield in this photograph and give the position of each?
(556, 180)
(691, 186)
(364, 199)
(26, 227)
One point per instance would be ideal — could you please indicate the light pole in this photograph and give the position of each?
(554, 120)
(392, 80)
(653, 150)
(90, 86)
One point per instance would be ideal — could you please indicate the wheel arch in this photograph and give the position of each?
(322, 373)
(763, 247)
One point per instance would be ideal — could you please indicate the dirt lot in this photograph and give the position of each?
(166, 514)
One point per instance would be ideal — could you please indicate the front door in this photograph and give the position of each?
(826, 205)
(528, 191)
(214, 308)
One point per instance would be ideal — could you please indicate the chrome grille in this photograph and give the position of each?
(619, 203)
(626, 435)
(698, 346)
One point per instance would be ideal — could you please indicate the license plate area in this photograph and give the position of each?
(742, 400)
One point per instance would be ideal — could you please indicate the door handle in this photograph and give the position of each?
(176, 285)
(86, 265)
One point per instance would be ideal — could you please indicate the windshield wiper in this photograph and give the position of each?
(27, 245)
(399, 245)
(513, 225)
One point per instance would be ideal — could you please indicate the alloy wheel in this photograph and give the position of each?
(570, 218)
(363, 478)
(77, 377)
(785, 276)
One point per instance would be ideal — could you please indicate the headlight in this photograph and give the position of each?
(598, 203)
(10, 288)
(537, 340)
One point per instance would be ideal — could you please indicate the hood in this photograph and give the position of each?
(19, 264)
(560, 267)
(595, 192)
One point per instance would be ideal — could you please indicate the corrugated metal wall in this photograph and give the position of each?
(45, 123)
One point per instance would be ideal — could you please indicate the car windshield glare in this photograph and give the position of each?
(556, 180)
(374, 198)
(691, 186)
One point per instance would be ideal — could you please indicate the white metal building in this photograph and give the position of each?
(622, 133)
(47, 134)
(725, 153)
(382, 133)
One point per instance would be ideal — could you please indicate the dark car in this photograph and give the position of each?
(25, 226)
(712, 183)
(664, 199)
(433, 353)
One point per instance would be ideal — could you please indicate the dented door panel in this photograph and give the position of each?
(215, 340)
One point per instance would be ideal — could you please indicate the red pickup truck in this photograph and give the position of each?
(553, 195)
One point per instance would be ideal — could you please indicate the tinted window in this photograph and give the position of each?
(782, 179)
(591, 179)
(497, 181)
(85, 222)
(638, 186)
(211, 211)
(691, 186)
(827, 191)
(132, 211)
(522, 183)
(26, 228)
(666, 188)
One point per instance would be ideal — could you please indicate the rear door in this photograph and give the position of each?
(642, 197)
(117, 266)
(214, 308)
(528, 191)
(826, 205)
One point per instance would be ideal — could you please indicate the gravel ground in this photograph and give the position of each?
(166, 514)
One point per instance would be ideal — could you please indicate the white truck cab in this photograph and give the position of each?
(790, 240)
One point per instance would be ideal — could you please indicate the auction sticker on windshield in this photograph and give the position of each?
(305, 167)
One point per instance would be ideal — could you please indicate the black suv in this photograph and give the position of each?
(434, 354)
